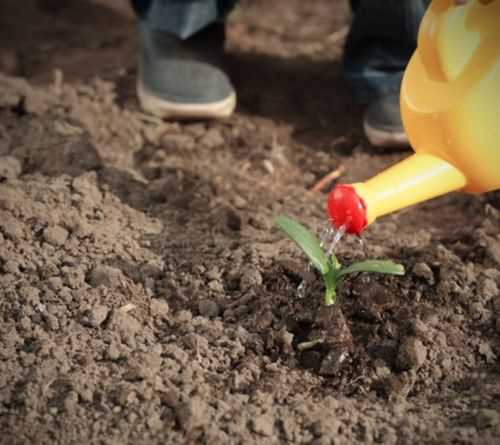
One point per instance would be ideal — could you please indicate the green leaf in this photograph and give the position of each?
(335, 263)
(306, 241)
(377, 266)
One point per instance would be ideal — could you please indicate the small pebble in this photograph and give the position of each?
(212, 139)
(263, 425)
(107, 276)
(177, 142)
(55, 283)
(423, 270)
(488, 289)
(216, 286)
(332, 363)
(10, 167)
(52, 322)
(251, 277)
(487, 418)
(239, 202)
(55, 235)
(419, 328)
(209, 308)
(94, 317)
(113, 353)
(214, 273)
(159, 308)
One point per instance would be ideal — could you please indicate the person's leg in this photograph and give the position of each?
(182, 18)
(380, 43)
(180, 73)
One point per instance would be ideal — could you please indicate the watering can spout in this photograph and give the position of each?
(358, 205)
(450, 103)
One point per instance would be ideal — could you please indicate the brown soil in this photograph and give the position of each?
(145, 296)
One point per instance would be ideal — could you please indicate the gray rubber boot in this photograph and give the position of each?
(183, 79)
(383, 125)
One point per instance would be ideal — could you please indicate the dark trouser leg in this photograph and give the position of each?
(381, 41)
(181, 18)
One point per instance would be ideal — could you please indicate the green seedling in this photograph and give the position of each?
(329, 266)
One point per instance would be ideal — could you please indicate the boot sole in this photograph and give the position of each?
(385, 138)
(184, 111)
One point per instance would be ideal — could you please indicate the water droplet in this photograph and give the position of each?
(361, 243)
(325, 236)
(330, 237)
(302, 290)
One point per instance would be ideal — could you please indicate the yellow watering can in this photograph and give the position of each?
(450, 106)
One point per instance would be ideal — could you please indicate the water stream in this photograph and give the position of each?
(329, 238)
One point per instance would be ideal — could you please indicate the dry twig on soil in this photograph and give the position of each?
(325, 180)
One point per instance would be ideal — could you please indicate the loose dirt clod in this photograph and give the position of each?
(412, 353)
(159, 308)
(55, 235)
(263, 425)
(95, 317)
(250, 278)
(106, 276)
(423, 270)
(208, 308)
(10, 168)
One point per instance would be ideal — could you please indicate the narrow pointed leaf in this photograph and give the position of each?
(377, 266)
(335, 263)
(306, 241)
